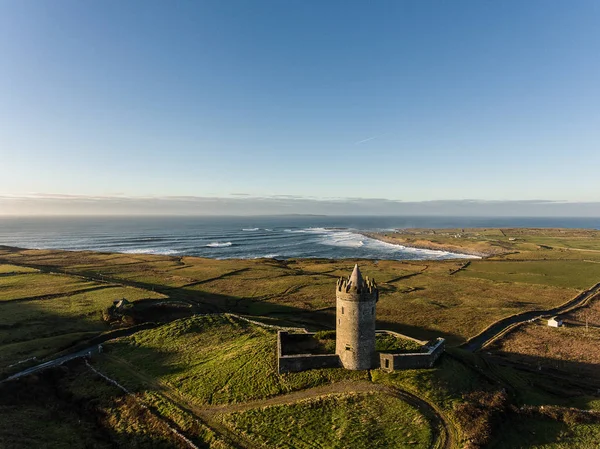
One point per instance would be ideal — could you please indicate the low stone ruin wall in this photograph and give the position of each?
(296, 344)
(292, 363)
(392, 362)
(297, 363)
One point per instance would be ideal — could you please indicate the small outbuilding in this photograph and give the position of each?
(555, 322)
(120, 303)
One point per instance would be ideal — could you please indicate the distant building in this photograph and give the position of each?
(555, 322)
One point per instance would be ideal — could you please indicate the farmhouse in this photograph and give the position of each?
(555, 322)
(355, 336)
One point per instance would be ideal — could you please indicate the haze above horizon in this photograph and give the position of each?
(299, 106)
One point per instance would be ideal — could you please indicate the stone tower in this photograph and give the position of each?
(355, 326)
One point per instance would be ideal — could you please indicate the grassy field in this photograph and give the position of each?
(421, 299)
(553, 273)
(542, 432)
(221, 362)
(336, 421)
(589, 314)
(572, 348)
(11, 269)
(72, 407)
(41, 313)
(195, 369)
(26, 286)
(217, 361)
(211, 360)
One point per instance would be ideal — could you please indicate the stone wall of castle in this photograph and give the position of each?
(392, 362)
(355, 333)
(293, 363)
(356, 301)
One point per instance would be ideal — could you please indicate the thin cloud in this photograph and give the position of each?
(360, 142)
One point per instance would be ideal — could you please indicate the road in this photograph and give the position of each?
(479, 341)
(56, 362)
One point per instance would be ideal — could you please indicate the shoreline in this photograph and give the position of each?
(427, 246)
(12, 248)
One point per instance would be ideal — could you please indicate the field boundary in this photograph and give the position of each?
(140, 403)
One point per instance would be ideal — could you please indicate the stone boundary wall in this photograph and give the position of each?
(141, 404)
(302, 362)
(259, 323)
(393, 362)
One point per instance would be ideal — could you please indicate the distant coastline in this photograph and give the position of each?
(379, 238)
(429, 245)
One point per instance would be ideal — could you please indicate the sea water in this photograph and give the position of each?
(247, 237)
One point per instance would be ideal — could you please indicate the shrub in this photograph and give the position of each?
(479, 414)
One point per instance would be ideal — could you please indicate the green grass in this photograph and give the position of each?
(524, 432)
(42, 327)
(216, 360)
(572, 274)
(5, 269)
(337, 421)
(445, 384)
(71, 407)
(39, 348)
(393, 344)
(211, 360)
(39, 284)
(191, 426)
(417, 298)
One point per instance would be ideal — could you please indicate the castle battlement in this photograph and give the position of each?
(345, 285)
(357, 288)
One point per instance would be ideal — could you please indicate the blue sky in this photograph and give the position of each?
(404, 100)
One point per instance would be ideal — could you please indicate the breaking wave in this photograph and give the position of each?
(343, 238)
(227, 238)
(161, 251)
(218, 244)
(268, 256)
(307, 231)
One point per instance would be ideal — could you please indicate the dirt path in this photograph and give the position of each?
(442, 430)
(297, 396)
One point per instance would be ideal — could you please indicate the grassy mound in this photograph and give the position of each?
(211, 359)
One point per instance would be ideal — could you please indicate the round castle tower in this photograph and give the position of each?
(355, 326)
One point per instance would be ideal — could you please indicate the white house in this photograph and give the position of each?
(555, 322)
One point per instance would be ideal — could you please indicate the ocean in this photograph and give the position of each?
(278, 237)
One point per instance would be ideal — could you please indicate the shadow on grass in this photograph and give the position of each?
(518, 431)
(69, 406)
(573, 377)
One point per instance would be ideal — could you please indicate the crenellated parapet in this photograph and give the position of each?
(357, 288)
(346, 286)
